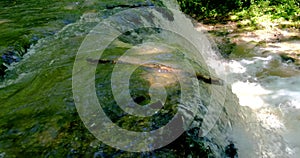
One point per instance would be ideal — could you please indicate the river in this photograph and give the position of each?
(40, 116)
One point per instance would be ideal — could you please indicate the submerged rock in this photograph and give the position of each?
(185, 81)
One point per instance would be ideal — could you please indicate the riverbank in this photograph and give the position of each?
(234, 41)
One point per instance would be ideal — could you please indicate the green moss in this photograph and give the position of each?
(38, 116)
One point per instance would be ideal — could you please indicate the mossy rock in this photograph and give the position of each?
(39, 116)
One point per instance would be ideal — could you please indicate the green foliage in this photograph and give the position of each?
(201, 9)
(253, 10)
(285, 9)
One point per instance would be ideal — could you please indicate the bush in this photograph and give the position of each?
(244, 9)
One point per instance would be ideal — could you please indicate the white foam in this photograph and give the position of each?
(235, 67)
(250, 94)
(274, 102)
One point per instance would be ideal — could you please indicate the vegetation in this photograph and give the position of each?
(219, 11)
(202, 9)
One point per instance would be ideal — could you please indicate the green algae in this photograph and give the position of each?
(38, 116)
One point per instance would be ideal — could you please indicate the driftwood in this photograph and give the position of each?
(130, 5)
(163, 68)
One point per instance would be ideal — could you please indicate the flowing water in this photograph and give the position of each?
(39, 115)
(268, 88)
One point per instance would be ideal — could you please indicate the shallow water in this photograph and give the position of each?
(39, 116)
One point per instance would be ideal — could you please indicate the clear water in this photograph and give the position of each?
(39, 117)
